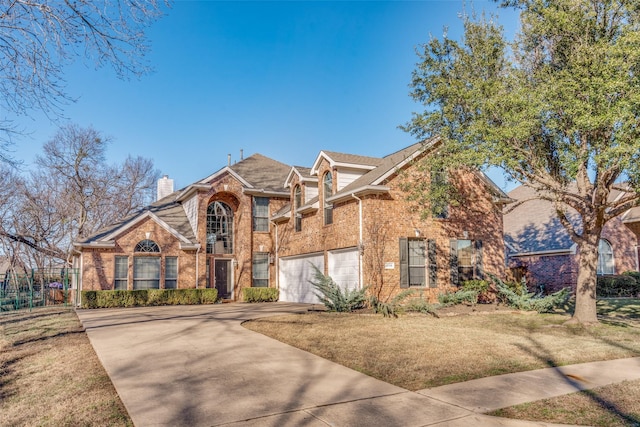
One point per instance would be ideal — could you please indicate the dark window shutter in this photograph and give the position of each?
(404, 263)
(453, 262)
(433, 266)
(479, 266)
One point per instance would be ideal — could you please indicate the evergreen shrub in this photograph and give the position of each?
(147, 297)
(260, 294)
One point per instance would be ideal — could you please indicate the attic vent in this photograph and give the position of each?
(165, 187)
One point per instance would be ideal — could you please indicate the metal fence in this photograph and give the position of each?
(38, 288)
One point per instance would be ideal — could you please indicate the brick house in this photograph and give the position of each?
(262, 223)
(540, 249)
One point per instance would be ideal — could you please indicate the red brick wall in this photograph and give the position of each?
(98, 265)
(386, 218)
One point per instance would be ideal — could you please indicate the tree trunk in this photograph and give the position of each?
(585, 310)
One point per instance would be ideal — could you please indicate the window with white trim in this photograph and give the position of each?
(606, 263)
(171, 272)
(327, 190)
(260, 214)
(219, 228)
(121, 273)
(297, 202)
(260, 270)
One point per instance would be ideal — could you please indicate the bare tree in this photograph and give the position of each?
(72, 194)
(38, 38)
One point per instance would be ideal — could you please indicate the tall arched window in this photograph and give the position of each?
(219, 228)
(327, 190)
(146, 269)
(605, 258)
(297, 202)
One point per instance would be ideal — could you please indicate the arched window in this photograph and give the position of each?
(146, 269)
(219, 228)
(605, 258)
(147, 246)
(327, 189)
(297, 202)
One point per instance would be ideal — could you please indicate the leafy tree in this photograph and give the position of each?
(39, 38)
(72, 194)
(557, 109)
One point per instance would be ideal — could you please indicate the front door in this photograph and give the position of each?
(222, 277)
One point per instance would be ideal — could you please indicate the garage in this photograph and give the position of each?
(344, 267)
(295, 274)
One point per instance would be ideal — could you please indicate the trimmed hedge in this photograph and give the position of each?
(260, 294)
(147, 297)
(624, 285)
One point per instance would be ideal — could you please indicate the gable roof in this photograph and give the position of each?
(166, 212)
(351, 161)
(303, 174)
(258, 174)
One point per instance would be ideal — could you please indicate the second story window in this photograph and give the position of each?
(297, 202)
(327, 190)
(260, 214)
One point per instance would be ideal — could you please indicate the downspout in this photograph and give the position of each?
(360, 243)
(197, 265)
(276, 258)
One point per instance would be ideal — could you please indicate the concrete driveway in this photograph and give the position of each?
(197, 366)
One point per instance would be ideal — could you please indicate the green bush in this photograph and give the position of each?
(390, 308)
(147, 297)
(260, 294)
(530, 301)
(625, 285)
(460, 297)
(332, 296)
(420, 305)
(486, 293)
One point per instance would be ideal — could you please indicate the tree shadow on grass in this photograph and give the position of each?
(538, 350)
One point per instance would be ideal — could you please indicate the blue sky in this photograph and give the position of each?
(284, 79)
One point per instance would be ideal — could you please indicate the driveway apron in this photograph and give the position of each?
(197, 366)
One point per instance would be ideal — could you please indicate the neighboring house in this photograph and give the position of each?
(261, 223)
(540, 250)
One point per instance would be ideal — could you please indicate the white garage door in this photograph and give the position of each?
(343, 267)
(295, 274)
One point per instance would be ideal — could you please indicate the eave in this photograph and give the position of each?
(360, 191)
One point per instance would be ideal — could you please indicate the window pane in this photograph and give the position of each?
(605, 258)
(417, 269)
(260, 214)
(121, 273)
(219, 229)
(260, 270)
(465, 253)
(171, 272)
(146, 273)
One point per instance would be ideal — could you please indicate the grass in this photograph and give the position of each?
(50, 374)
(416, 352)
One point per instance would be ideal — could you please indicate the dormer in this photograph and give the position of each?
(301, 175)
(348, 167)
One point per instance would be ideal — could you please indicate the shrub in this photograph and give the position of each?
(147, 297)
(260, 294)
(419, 305)
(486, 292)
(332, 296)
(389, 308)
(459, 297)
(624, 285)
(530, 301)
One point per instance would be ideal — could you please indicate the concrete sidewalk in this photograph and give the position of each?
(197, 366)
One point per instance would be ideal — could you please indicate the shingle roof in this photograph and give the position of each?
(353, 158)
(262, 172)
(533, 226)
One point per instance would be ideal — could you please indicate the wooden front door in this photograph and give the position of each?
(220, 277)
